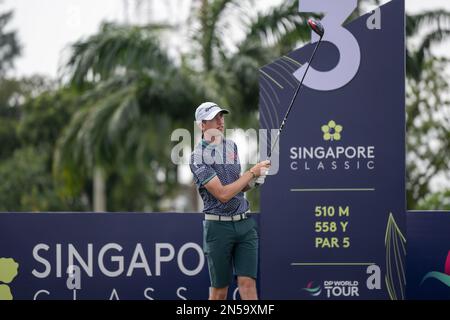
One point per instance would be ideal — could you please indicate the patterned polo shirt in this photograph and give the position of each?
(221, 160)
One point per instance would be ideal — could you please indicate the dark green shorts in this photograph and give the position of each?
(230, 247)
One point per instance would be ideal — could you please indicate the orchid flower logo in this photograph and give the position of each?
(332, 131)
(8, 271)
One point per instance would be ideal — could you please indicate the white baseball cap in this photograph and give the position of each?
(207, 111)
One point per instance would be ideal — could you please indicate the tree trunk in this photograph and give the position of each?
(99, 190)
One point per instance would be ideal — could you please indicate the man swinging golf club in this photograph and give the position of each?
(230, 238)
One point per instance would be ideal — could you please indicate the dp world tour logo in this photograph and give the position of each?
(8, 271)
(332, 131)
(442, 277)
(312, 290)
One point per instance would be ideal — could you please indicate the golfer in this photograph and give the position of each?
(230, 238)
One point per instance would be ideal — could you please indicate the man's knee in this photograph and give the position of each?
(246, 283)
(247, 288)
(218, 293)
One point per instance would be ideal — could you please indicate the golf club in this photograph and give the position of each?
(318, 28)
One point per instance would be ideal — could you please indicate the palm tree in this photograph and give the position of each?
(133, 98)
(425, 71)
(428, 128)
(228, 69)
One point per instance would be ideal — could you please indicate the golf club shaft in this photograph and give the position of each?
(293, 99)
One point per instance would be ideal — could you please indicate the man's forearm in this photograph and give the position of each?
(232, 189)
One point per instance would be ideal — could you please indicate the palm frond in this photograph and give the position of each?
(281, 21)
(436, 24)
(415, 23)
(432, 38)
(114, 50)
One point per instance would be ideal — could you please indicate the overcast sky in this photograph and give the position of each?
(46, 27)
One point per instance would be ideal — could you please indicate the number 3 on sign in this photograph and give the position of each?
(336, 12)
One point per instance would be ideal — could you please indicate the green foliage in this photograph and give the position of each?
(282, 29)
(9, 140)
(428, 131)
(124, 121)
(435, 201)
(27, 184)
(115, 50)
(437, 30)
(230, 77)
(31, 118)
(9, 117)
(44, 117)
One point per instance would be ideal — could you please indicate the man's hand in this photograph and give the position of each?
(260, 179)
(259, 172)
(261, 169)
